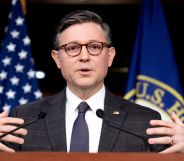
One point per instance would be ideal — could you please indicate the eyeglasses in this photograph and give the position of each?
(93, 48)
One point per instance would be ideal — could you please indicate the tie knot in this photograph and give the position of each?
(83, 107)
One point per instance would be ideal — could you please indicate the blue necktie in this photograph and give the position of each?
(80, 134)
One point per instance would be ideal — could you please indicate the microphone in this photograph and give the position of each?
(41, 115)
(100, 113)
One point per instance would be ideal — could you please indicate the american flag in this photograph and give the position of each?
(18, 83)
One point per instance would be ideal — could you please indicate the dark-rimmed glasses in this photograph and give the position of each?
(93, 48)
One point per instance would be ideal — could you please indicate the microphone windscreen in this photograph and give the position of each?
(42, 115)
(100, 113)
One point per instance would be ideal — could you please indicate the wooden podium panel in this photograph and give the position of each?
(60, 156)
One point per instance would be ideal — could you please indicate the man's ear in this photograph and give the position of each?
(55, 56)
(112, 53)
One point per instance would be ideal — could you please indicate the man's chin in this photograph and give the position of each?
(85, 86)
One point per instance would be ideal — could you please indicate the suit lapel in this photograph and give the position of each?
(115, 116)
(55, 122)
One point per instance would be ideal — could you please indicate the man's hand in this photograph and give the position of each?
(6, 126)
(173, 133)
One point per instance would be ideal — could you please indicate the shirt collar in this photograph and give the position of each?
(95, 102)
(72, 100)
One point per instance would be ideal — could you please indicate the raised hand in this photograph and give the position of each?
(7, 124)
(171, 133)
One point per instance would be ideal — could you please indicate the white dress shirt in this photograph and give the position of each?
(94, 123)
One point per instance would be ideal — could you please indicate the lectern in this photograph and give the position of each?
(59, 156)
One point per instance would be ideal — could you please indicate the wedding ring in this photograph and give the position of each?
(171, 139)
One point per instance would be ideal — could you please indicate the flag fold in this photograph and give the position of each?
(18, 83)
(153, 76)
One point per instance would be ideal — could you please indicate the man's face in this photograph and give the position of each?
(84, 71)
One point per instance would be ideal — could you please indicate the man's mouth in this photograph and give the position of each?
(85, 70)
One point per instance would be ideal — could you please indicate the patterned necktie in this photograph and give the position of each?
(80, 134)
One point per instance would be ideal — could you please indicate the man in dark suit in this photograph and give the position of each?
(83, 52)
(49, 134)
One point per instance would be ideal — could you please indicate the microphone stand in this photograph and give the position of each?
(41, 115)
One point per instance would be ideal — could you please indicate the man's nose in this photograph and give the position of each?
(84, 55)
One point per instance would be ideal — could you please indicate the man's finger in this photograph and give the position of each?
(172, 149)
(161, 123)
(13, 139)
(160, 140)
(159, 131)
(176, 119)
(8, 128)
(5, 148)
(4, 114)
(11, 120)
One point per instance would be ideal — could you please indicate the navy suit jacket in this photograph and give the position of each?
(49, 134)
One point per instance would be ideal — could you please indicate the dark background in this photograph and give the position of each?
(42, 18)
